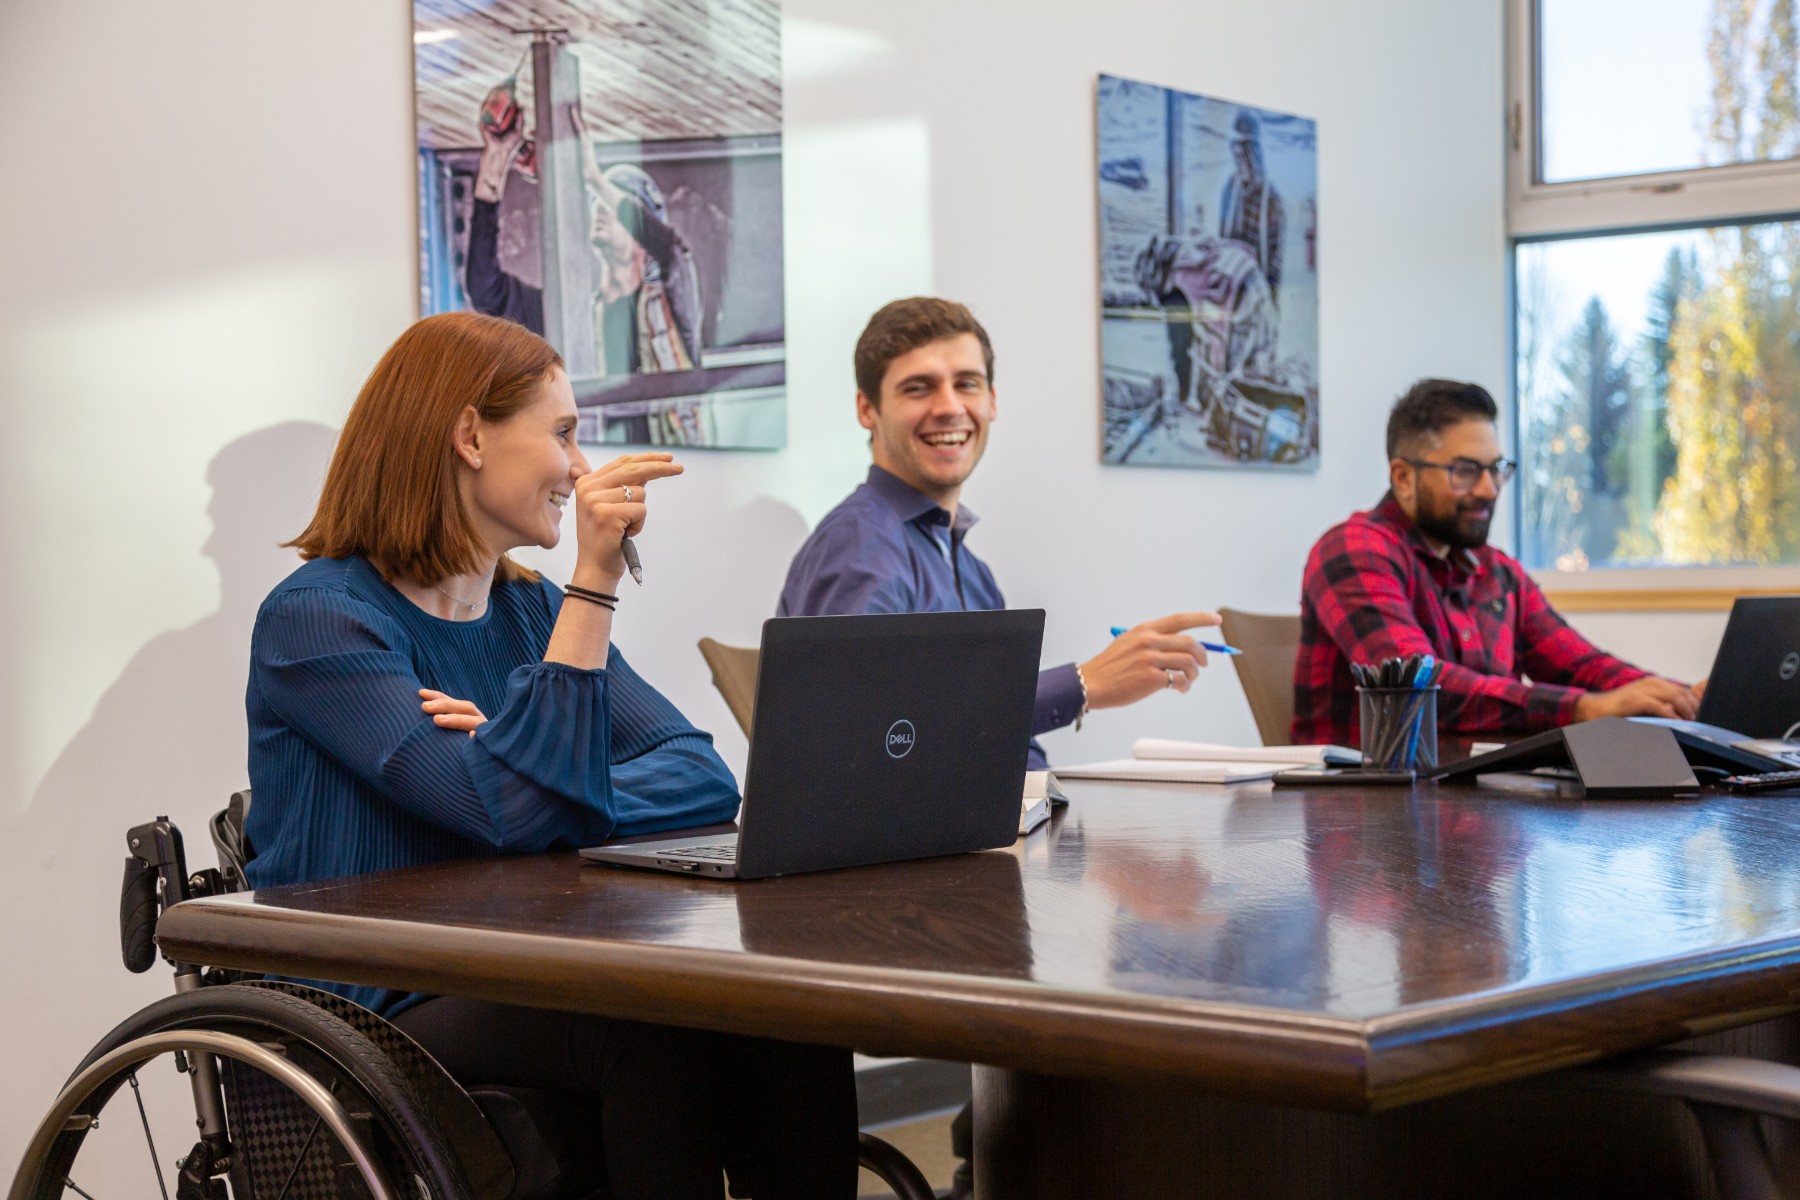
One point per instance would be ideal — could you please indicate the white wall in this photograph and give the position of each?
(208, 238)
(1678, 644)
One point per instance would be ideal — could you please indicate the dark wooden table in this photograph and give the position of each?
(1173, 991)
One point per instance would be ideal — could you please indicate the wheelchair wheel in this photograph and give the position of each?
(284, 1065)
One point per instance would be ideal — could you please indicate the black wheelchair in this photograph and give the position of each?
(292, 1093)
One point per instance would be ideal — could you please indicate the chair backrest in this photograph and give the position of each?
(734, 674)
(1270, 644)
(227, 829)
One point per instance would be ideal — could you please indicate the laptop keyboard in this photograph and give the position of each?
(722, 853)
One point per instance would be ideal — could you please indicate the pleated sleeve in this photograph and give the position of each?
(573, 756)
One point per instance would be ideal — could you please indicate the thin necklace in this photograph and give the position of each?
(473, 606)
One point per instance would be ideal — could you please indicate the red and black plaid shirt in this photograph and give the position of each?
(1375, 589)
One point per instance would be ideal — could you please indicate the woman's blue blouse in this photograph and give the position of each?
(348, 775)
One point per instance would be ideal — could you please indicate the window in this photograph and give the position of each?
(1626, 87)
(1654, 214)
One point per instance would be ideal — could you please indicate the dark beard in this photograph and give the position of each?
(1453, 530)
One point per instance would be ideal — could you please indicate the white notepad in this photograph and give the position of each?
(1330, 756)
(1172, 770)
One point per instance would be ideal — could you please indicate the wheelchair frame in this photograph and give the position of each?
(408, 1115)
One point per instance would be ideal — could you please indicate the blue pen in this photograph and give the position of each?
(1422, 679)
(1215, 647)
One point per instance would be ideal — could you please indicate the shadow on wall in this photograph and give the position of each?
(169, 735)
(744, 555)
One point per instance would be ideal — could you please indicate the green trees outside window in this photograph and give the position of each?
(1658, 373)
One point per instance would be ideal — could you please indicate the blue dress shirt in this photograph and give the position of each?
(891, 549)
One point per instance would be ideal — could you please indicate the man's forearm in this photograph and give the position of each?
(1471, 701)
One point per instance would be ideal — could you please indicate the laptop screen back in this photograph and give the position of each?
(1755, 683)
(890, 737)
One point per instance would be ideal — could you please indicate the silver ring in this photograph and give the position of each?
(1171, 676)
(628, 493)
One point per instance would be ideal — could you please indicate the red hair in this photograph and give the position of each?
(391, 492)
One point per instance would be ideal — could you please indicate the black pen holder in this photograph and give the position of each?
(1399, 728)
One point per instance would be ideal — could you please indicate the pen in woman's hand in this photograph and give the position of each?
(632, 562)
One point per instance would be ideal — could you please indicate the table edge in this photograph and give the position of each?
(1243, 1050)
(1246, 1051)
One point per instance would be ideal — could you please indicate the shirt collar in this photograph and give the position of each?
(1389, 512)
(910, 504)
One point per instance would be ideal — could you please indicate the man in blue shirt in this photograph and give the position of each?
(924, 391)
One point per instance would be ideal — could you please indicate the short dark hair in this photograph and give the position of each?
(1431, 406)
(902, 327)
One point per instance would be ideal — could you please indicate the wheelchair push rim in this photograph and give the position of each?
(65, 1115)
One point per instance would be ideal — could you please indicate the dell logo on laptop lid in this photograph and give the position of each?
(900, 738)
(1790, 666)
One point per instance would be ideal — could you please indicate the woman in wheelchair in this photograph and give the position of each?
(416, 696)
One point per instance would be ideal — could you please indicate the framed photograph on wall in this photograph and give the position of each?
(608, 174)
(1209, 281)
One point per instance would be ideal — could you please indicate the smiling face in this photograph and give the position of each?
(528, 467)
(931, 423)
(1458, 519)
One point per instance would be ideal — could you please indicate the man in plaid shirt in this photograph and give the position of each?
(1415, 575)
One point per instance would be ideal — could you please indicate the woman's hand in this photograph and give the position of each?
(449, 712)
(609, 507)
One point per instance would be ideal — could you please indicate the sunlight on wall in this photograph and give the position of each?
(858, 214)
(812, 50)
(131, 400)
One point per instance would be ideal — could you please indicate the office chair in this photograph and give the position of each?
(1265, 669)
(296, 1093)
(734, 674)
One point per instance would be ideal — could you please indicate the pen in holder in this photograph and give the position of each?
(1399, 728)
(1398, 710)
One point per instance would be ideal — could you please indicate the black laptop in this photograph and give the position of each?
(875, 739)
(1754, 688)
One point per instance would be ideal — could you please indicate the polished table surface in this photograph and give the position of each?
(1331, 948)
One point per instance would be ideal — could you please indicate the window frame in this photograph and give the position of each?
(1740, 193)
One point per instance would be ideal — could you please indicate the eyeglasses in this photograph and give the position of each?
(1464, 472)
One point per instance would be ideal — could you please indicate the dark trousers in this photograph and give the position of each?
(678, 1106)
